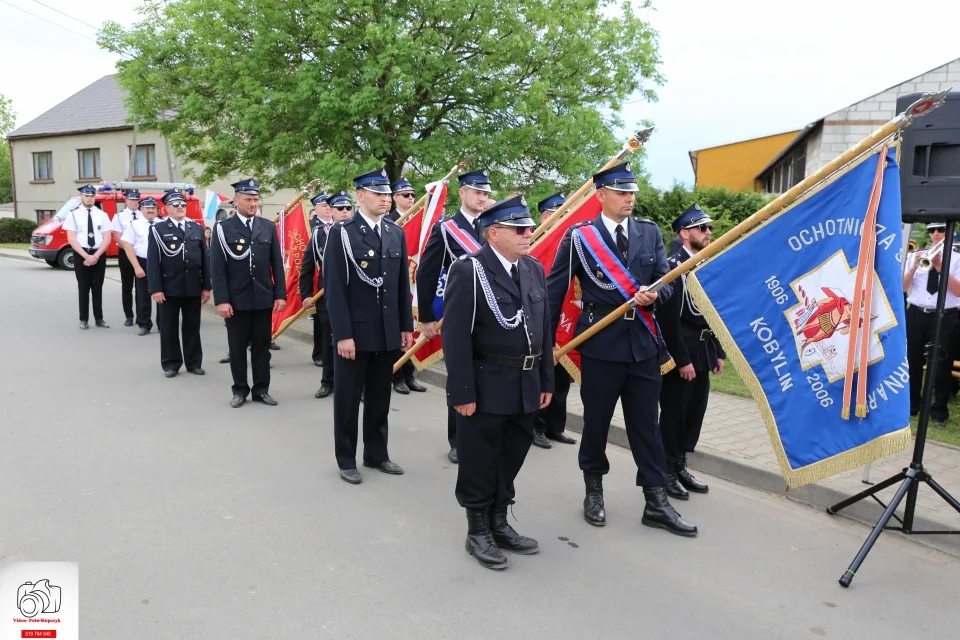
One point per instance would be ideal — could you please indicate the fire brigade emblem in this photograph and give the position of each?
(824, 315)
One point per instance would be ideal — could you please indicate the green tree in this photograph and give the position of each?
(727, 208)
(7, 121)
(295, 89)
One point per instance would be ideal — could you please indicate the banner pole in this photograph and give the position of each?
(422, 202)
(926, 103)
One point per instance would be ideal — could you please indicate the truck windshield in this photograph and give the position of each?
(67, 207)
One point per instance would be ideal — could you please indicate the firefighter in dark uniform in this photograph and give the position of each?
(404, 380)
(121, 222)
(439, 253)
(322, 211)
(178, 278)
(622, 361)
(368, 295)
(552, 419)
(696, 352)
(499, 353)
(248, 286)
(311, 281)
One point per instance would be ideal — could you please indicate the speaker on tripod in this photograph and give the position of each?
(930, 192)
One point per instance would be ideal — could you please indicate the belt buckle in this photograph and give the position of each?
(705, 334)
(529, 362)
(631, 314)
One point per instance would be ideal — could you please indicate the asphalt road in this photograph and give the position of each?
(192, 519)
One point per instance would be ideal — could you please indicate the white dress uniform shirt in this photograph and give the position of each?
(919, 296)
(138, 235)
(77, 221)
(612, 227)
(121, 221)
(506, 263)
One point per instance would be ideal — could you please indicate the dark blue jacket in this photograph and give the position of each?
(470, 327)
(312, 263)
(256, 281)
(434, 259)
(186, 274)
(623, 340)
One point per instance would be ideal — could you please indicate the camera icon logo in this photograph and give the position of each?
(37, 598)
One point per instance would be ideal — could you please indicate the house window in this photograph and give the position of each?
(44, 215)
(145, 161)
(89, 163)
(43, 165)
(787, 173)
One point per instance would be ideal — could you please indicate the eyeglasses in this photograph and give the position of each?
(405, 195)
(933, 231)
(177, 205)
(705, 227)
(343, 208)
(518, 230)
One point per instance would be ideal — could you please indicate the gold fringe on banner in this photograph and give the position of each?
(571, 368)
(423, 364)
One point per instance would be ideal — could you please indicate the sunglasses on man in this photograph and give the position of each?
(933, 231)
(177, 205)
(343, 208)
(704, 227)
(518, 230)
(405, 195)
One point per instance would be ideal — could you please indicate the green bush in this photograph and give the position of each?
(16, 230)
(727, 208)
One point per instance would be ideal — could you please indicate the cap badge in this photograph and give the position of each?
(383, 172)
(697, 207)
(523, 201)
(484, 172)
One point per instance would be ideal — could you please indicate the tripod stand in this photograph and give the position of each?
(912, 476)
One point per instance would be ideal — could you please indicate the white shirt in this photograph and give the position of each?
(243, 219)
(470, 218)
(373, 225)
(121, 221)
(919, 296)
(138, 235)
(506, 263)
(77, 221)
(612, 227)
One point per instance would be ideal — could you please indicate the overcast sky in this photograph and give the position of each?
(735, 69)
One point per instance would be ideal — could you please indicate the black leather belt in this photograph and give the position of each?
(933, 310)
(604, 310)
(527, 363)
(702, 335)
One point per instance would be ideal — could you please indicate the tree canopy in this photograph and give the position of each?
(295, 89)
(7, 122)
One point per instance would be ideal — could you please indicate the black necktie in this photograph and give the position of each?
(933, 281)
(476, 226)
(622, 241)
(89, 227)
(134, 215)
(515, 274)
(376, 230)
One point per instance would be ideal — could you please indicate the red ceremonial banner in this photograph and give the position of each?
(296, 235)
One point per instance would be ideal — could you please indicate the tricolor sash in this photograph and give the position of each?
(589, 236)
(449, 229)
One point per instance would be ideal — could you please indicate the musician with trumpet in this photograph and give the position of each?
(922, 279)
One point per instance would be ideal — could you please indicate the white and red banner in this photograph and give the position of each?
(294, 236)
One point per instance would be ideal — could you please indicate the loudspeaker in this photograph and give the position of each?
(930, 162)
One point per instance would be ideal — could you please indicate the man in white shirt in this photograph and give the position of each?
(921, 317)
(121, 222)
(134, 242)
(89, 231)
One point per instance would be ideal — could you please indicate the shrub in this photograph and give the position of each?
(16, 230)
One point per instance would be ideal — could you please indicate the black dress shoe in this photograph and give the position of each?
(351, 475)
(128, 322)
(506, 536)
(387, 467)
(658, 512)
(452, 456)
(674, 489)
(84, 325)
(324, 391)
(225, 359)
(413, 385)
(401, 387)
(169, 373)
(197, 371)
(317, 363)
(593, 511)
(237, 401)
(143, 331)
(561, 437)
(266, 399)
(540, 440)
(274, 346)
(687, 480)
(102, 324)
(480, 543)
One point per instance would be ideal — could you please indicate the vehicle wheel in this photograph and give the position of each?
(53, 263)
(66, 259)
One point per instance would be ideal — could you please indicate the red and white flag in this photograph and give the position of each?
(294, 235)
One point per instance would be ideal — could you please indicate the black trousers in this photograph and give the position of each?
(143, 299)
(90, 282)
(250, 328)
(406, 371)
(637, 386)
(682, 407)
(491, 452)
(127, 277)
(172, 311)
(371, 373)
(553, 419)
(919, 333)
(323, 345)
(452, 417)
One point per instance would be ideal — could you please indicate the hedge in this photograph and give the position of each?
(16, 230)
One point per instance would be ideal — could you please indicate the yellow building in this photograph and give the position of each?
(736, 165)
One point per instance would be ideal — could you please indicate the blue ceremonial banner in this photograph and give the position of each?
(781, 300)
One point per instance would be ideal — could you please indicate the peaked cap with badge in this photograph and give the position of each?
(617, 178)
(479, 180)
(375, 181)
(694, 216)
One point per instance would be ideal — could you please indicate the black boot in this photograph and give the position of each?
(506, 536)
(660, 513)
(687, 480)
(480, 543)
(593, 502)
(675, 489)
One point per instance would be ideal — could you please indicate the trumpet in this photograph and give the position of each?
(925, 262)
